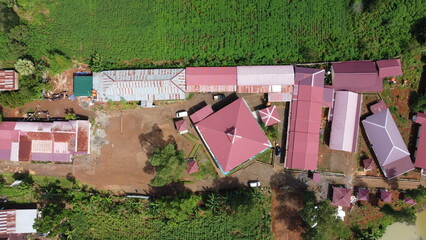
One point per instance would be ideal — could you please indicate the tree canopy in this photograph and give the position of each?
(170, 165)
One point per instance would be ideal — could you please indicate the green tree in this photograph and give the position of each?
(417, 102)
(25, 67)
(70, 116)
(169, 165)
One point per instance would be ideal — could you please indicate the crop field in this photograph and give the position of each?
(200, 32)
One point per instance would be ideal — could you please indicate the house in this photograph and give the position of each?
(269, 115)
(387, 144)
(44, 141)
(345, 124)
(181, 126)
(83, 85)
(9, 80)
(363, 194)
(17, 221)
(146, 85)
(211, 79)
(356, 76)
(389, 68)
(369, 164)
(305, 119)
(201, 114)
(191, 166)
(277, 80)
(386, 196)
(232, 135)
(420, 154)
(341, 197)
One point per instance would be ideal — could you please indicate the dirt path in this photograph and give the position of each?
(286, 224)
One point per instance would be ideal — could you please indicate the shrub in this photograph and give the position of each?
(25, 67)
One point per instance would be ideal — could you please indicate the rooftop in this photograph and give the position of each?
(8, 80)
(342, 197)
(356, 76)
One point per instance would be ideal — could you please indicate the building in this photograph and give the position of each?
(83, 85)
(232, 135)
(269, 116)
(363, 194)
(9, 80)
(369, 164)
(305, 119)
(387, 144)
(44, 141)
(345, 124)
(277, 80)
(17, 221)
(389, 68)
(341, 197)
(211, 79)
(146, 85)
(191, 166)
(181, 126)
(386, 196)
(420, 154)
(356, 76)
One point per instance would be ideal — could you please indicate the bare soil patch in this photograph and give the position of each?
(286, 223)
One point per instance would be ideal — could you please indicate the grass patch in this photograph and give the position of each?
(265, 157)
(189, 138)
(193, 137)
(190, 96)
(205, 166)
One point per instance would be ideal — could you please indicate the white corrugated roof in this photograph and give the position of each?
(344, 125)
(25, 219)
(265, 75)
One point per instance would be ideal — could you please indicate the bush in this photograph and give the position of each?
(170, 165)
(25, 67)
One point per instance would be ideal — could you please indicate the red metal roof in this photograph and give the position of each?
(363, 194)
(342, 197)
(8, 80)
(378, 107)
(191, 167)
(211, 76)
(305, 120)
(389, 68)
(232, 135)
(386, 196)
(181, 125)
(356, 76)
(421, 144)
(201, 114)
(270, 115)
(24, 148)
(211, 88)
(369, 164)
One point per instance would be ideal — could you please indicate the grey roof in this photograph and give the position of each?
(387, 143)
(145, 85)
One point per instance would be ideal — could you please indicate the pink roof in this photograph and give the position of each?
(378, 107)
(8, 80)
(191, 167)
(44, 141)
(389, 68)
(421, 143)
(265, 75)
(409, 201)
(386, 196)
(420, 118)
(345, 124)
(211, 76)
(356, 76)
(305, 121)
(232, 135)
(270, 115)
(288, 89)
(363, 194)
(280, 97)
(387, 143)
(342, 197)
(201, 114)
(328, 97)
(369, 164)
(211, 88)
(181, 125)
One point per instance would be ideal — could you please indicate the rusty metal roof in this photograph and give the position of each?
(8, 80)
(146, 85)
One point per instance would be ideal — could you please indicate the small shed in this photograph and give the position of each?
(363, 194)
(269, 115)
(386, 196)
(181, 126)
(410, 201)
(191, 166)
(369, 164)
(83, 86)
(389, 68)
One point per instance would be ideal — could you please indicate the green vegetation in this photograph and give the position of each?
(206, 169)
(418, 102)
(170, 165)
(271, 132)
(24, 67)
(70, 116)
(188, 33)
(265, 157)
(323, 216)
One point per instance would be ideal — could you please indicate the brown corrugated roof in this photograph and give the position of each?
(40, 135)
(24, 148)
